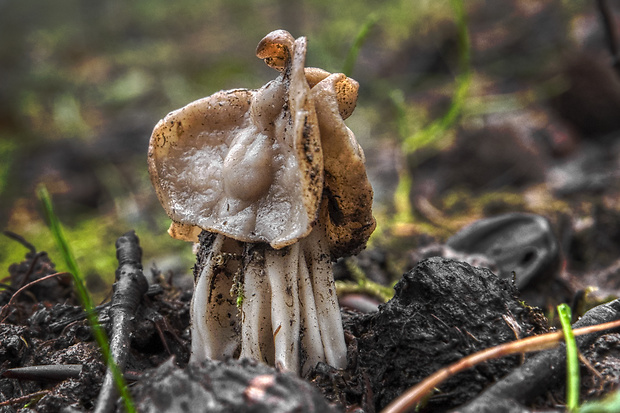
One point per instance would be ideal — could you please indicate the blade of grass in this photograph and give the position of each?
(98, 332)
(610, 404)
(361, 284)
(572, 359)
(411, 142)
(436, 129)
(362, 35)
(402, 204)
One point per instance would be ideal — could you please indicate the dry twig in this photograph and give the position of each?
(517, 381)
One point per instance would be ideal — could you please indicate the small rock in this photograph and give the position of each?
(229, 386)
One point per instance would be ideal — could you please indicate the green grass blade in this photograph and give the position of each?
(436, 129)
(411, 142)
(98, 331)
(65, 249)
(610, 404)
(359, 41)
(572, 359)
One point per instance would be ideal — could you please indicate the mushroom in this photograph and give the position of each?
(274, 183)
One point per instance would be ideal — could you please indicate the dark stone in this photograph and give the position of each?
(230, 386)
(520, 245)
(443, 310)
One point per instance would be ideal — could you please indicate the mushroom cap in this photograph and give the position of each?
(243, 163)
(263, 165)
(347, 193)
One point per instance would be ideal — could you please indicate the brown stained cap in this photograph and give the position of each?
(255, 165)
(347, 194)
(345, 89)
(275, 49)
(243, 163)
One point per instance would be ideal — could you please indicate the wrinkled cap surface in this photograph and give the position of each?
(250, 164)
(243, 163)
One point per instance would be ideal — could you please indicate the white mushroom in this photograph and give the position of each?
(277, 182)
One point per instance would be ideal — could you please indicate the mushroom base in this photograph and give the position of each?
(275, 306)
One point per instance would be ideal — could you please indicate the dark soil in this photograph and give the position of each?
(443, 310)
(52, 330)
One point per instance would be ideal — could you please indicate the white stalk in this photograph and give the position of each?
(281, 268)
(328, 310)
(256, 334)
(311, 334)
(213, 333)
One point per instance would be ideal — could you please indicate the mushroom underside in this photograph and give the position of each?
(278, 306)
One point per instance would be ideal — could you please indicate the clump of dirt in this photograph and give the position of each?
(44, 326)
(229, 386)
(442, 311)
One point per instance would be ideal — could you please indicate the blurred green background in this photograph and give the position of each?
(84, 82)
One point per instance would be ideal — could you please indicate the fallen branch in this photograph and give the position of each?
(129, 288)
(525, 382)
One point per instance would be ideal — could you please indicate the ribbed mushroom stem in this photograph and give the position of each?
(310, 332)
(213, 333)
(326, 301)
(256, 333)
(281, 267)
